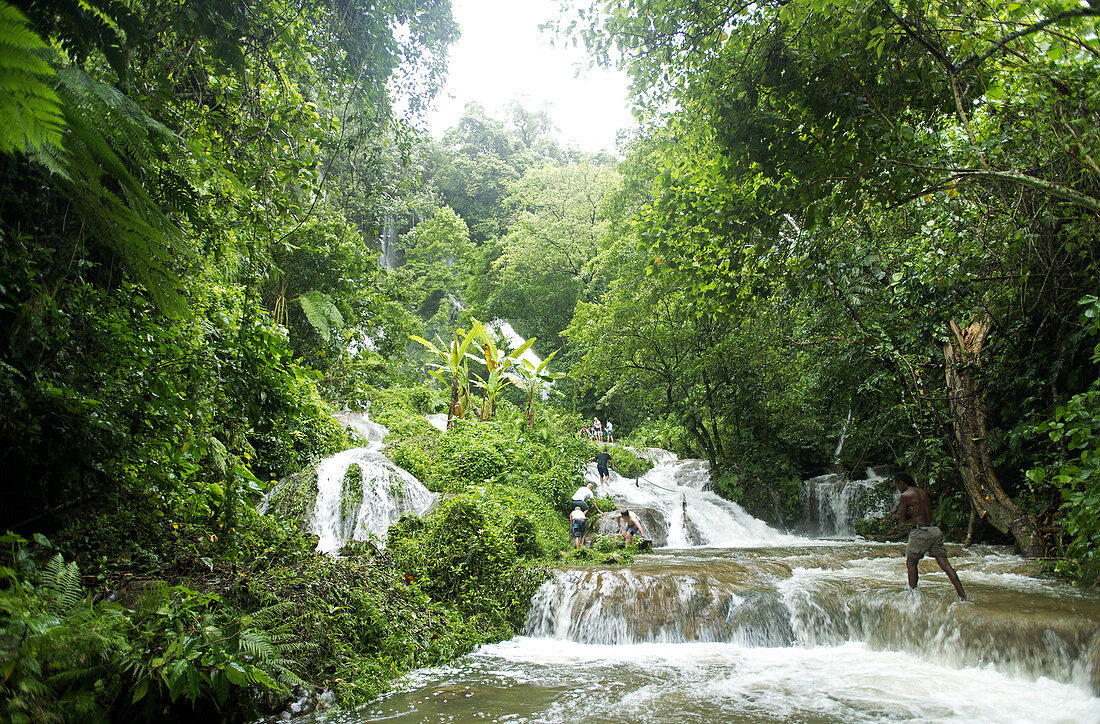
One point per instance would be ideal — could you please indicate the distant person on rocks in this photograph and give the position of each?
(633, 525)
(602, 461)
(925, 537)
(578, 525)
(597, 429)
(582, 496)
(610, 435)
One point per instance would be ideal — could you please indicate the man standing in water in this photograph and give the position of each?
(925, 537)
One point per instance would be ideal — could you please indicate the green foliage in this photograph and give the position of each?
(1075, 427)
(56, 644)
(466, 552)
(471, 454)
(70, 658)
(30, 115)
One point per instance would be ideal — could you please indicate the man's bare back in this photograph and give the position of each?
(915, 506)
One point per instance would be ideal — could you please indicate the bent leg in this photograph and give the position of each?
(951, 576)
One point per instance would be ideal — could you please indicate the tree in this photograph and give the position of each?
(790, 112)
(533, 379)
(452, 368)
(557, 228)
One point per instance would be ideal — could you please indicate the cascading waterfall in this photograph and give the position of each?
(387, 492)
(387, 258)
(734, 621)
(678, 510)
(834, 501)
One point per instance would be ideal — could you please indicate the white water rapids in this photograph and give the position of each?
(733, 621)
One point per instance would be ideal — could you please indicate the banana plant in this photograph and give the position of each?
(533, 380)
(498, 365)
(451, 369)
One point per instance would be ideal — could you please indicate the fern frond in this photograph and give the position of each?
(29, 107)
(256, 644)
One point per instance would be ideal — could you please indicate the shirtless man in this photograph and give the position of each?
(633, 525)
(925, 537)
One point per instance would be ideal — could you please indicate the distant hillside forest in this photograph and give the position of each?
(843, 234)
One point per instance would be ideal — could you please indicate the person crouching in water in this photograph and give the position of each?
(578, 527)
(925, 537)
(633, 525)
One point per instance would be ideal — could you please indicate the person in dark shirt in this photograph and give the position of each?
(602, 461)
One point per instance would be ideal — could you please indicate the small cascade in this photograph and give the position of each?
(387, 492)
(696, 603)
(678, 510)
(834, 502)
(843, 437)
(827, 596)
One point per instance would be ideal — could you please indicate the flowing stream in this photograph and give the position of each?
(732, 621)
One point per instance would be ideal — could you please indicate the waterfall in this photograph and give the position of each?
(387, 259)
(834, 502)
(387, 492)
(734, 621)
(678, 510)
(843, 436)
(818, 595)
(505, 329)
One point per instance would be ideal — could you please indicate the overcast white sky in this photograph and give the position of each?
(502, 55)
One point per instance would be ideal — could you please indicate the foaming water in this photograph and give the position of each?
(826, 633)
(834, 501)
(387, 491)
(748, 624)
(543, 680)
(676, 492)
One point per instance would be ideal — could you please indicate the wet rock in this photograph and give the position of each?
(653, 523)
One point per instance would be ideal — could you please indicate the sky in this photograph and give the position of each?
(502, 55)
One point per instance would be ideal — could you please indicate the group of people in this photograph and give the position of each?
(627, 520)
(600, 432)
(914, 507)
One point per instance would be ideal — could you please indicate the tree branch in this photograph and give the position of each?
(976, 60)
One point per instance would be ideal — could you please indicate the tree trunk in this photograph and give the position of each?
(455, 408)
(963, 357)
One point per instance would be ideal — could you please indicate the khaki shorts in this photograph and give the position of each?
(925, 540)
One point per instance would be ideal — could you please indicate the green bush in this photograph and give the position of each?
(472, 453)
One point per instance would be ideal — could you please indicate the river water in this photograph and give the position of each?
(733, 621)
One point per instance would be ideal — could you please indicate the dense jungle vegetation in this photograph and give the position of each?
(868, 222)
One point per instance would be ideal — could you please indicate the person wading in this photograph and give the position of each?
(915, 507)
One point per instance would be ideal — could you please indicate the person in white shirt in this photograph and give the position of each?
(582, 496)
(607, 428)
(577, 528)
